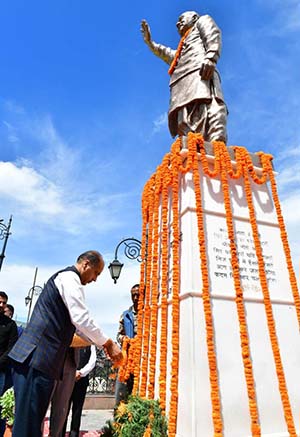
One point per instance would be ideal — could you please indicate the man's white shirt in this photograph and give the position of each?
(72, 293)
(90, 364)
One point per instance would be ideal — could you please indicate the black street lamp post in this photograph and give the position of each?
(132, 250)
(35, 290)
(4, 234)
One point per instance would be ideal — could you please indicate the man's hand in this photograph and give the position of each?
(113, 351)
(207, 69)
(78, 375)
(122, 338)
(145, 29)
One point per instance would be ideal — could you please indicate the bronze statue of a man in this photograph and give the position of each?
(196, 101)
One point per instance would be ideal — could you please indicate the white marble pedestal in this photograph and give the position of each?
(194, 405)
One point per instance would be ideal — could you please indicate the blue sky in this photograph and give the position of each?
(83, 124)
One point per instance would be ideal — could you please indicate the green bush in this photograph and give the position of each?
(132, 419)
(7, 403)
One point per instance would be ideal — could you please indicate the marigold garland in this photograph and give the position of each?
(178, 52)
(175, 307)
(126, 368)
(210, 337)
(149, 203)
(139, 336)
(268, 309)
(203, 158)
(244, 338)
(154, 289)
(164, 286)
(284, 238)
(164, 185)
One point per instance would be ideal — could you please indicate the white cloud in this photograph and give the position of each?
(289, 176)
(29, 189)
(288, 182)
(291, 210)
(11, 132)
(37, 200)
(160, 122)
(13, 107)
(291, 213)
(16, 280)
(53, 187)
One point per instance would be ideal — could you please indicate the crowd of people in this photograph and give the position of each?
(50, 360)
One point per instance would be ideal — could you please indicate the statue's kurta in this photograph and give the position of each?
(196, 105)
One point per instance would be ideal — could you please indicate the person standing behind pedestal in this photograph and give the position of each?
(9, 312)
(127, 328)
(39, 354)
(87, 361)
(8, 337)
(196, 100)
(62, 393)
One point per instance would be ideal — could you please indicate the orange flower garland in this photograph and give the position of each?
(164, 286)
(138, 346)
(154, 289)
(127, 365)
(246, 354)
(178, 52)
(175, 307)
(203, 158)
(210, 338)
(284, 239)
(147, 310)
(160, 194)
(268, 308)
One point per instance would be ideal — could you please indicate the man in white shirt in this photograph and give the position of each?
(39, 354)
(87, 361)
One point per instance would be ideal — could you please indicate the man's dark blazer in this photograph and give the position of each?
(46, 339)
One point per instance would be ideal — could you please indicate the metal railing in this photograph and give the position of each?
(100, 380)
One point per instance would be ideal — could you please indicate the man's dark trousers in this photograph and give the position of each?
(30, 384)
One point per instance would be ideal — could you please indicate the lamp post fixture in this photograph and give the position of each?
(35, 290)
(132, 250)
(4, 234)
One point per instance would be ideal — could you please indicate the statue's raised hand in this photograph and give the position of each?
(145, 29)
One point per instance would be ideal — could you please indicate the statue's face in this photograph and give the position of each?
(185, 21)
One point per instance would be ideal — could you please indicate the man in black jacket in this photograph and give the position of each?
(8, 337)
(39, 354)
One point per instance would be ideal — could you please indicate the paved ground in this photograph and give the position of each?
(91, 422)
(94, 419)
